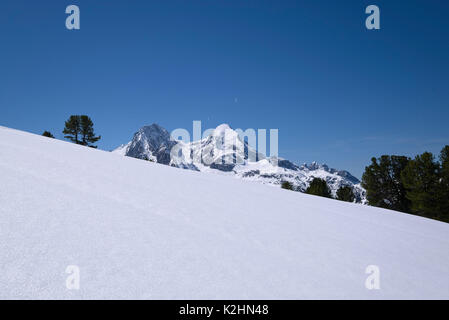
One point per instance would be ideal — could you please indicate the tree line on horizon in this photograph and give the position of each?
(319, 187)
(418, 186)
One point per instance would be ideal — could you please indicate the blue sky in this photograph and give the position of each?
(338, 93)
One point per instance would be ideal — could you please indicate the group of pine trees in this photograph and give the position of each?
(78, 129)
(418, 186)
(319, 187)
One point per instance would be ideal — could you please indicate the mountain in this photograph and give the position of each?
(149, 143)
(224, 152)
(139, 230)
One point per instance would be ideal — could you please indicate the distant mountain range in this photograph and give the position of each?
(224, 152)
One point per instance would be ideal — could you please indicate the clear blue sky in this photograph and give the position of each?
(337, 92)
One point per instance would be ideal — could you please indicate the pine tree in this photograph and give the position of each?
(421, 179)
(383, 183)
(80, 130)
(287, 185)
(443, 192)
(319, 187)
(72, 129)
(345, 193)
(48, 134)
(87, 132)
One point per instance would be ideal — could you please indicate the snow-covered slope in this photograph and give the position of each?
(144, 230)
(224, 152)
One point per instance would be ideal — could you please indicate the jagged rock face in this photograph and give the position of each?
(342, 173)
(151, 143)
(287, 165)
(224, 152)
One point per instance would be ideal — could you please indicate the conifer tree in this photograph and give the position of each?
(87, 132)
(345, 193)
(319, 187)
(383, 183)
(72, 129)
(80, 130)
(287, 185)
(421, 179)
(48, 134)
(443, 192)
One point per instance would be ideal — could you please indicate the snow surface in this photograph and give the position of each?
(143, 230)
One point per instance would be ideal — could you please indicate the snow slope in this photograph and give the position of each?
(143, 230)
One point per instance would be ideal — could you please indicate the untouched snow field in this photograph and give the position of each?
(141, 230)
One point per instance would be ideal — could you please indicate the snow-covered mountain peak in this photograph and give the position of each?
(154, 133)
(228, 136)
(222, 128)
(151, 142)
(314, 166)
